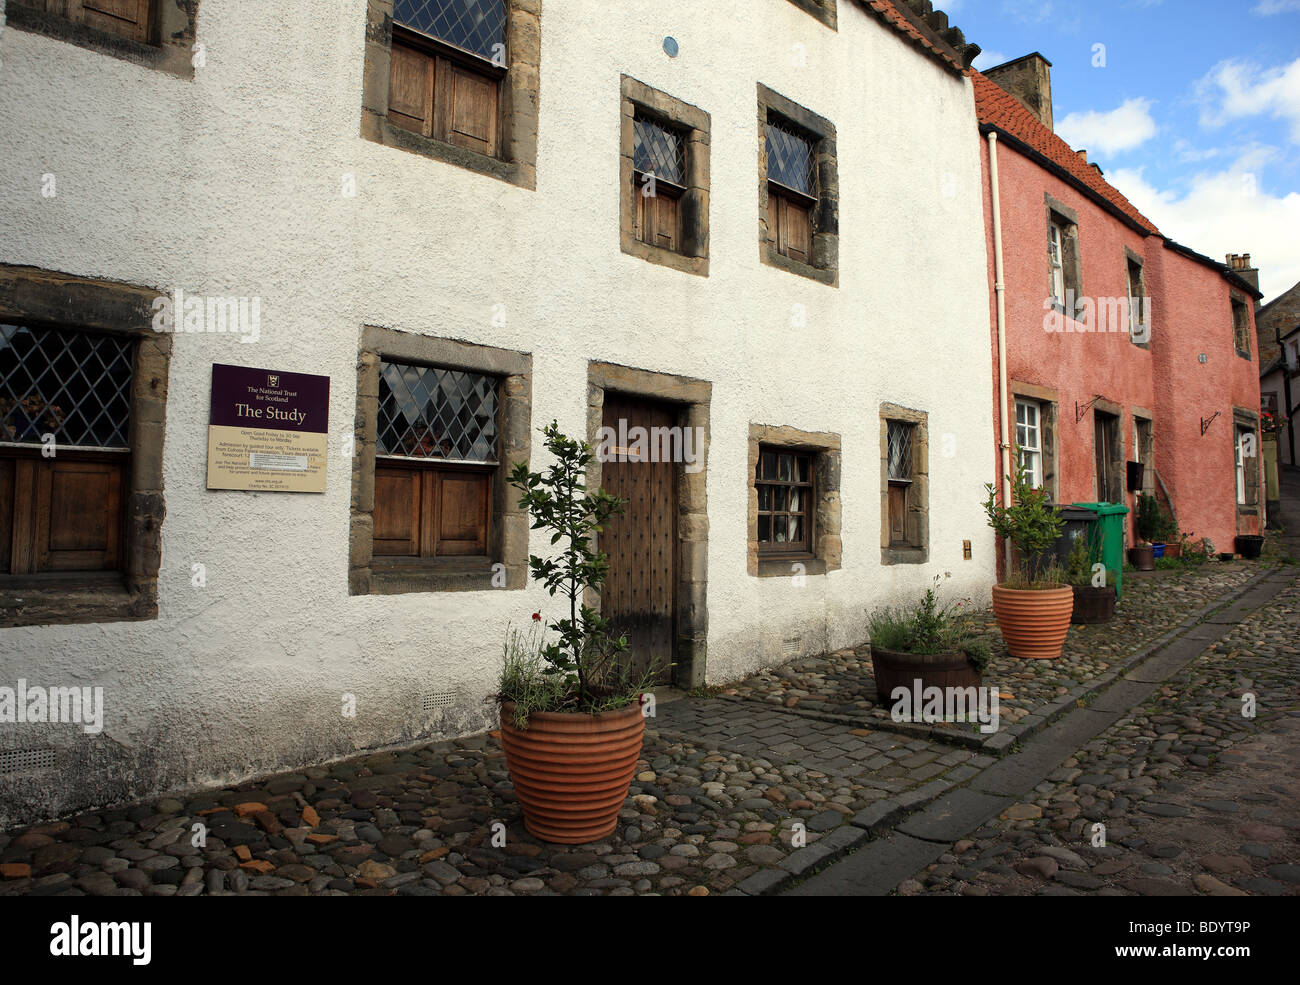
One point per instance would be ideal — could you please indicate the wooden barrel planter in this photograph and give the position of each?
(1093, 605)
(895, 669)
(1142, 557)
(571, 772)
(1249, 546)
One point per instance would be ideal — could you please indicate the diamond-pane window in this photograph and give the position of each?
(425, 412)
(73, 385)
(659, 149)
(474, 25)
(900, 451)
(790, 158)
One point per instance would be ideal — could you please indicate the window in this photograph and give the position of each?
(665, 175)
(455, 80)
(83, 395)
(785, 496)
(1029, 447)
(436, 450)
(792, 190)
(1138, 329)
(148, 32)
(65, 401)
(1064, 271)
(438, 424)
(904, 486)
(1108, 454)
(798, 189)
(1144, 452)
(1241, 328)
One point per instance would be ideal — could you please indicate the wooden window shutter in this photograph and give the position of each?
(794, 230)
(397, 512)
(897, 514)
(128, 18)
(471, 108)
(8, 470)
(460, 520)
(78, 516)
(410, 90)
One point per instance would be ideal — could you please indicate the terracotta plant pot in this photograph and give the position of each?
(1142, 557)
(1173, 550)
(894, 669)
(1033, 622)
(1093, 605)
(571, 772)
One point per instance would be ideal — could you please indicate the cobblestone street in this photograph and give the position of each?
(747, 790)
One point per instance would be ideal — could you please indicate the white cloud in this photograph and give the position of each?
(1120, 129)
(1227, 212)
(1235, 90)
(987, 59)
(1266, 8)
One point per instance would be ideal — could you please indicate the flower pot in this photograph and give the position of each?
(894, 669)
(1173, 550)
(571, 771)
(1033, 621)
(1093, 605)
(1157, 550)
(1249, 546)
(1142, 558)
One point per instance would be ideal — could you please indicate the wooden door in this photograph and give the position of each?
(640, 593)
(1105, 440)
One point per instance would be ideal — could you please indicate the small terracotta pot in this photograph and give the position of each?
(1173, 550)
(571, 772)
(1033, 622)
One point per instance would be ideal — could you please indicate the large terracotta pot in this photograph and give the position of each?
(1033, 622)
(894, 669)
(571, 771)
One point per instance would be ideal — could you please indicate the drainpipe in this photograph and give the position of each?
(999, 288)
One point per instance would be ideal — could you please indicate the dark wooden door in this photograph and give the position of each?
(639, 596)
(1105, 444)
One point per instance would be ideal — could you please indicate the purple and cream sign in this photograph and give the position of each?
(268, 430)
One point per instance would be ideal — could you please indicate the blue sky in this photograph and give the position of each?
(1192, 108)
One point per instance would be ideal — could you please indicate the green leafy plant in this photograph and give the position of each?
(583, 669)
(1032, 524)
(929, 627)
(1150, 519)
(1078, 567)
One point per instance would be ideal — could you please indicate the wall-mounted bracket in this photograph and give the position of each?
(1079, 413)
(1205, 425)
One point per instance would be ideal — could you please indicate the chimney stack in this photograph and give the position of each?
(1239, 263)
(1029, 79)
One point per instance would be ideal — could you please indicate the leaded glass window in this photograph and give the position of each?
(431, 413)
(72, 385)
(658, 149)
(476, 26)
(790, 158)
(900, 451)
(784, 483)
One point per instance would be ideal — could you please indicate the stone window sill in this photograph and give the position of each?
(38, 600)
(783, 567)
(172, 59)
(903, 555)
(774, 258)
(456, 576)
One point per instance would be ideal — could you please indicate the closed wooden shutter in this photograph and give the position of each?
(430, 512)
(658, 217)
(128, 18)
(453, 99)
(790, 226)
(461, 516)
(62, 514)
(472, 109)
(397, 512)
(897, 514)
(410, 90)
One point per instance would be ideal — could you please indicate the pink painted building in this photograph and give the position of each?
(1121, 346)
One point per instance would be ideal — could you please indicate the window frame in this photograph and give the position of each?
(1138, 323)
(505, 561)
(1036, 471)
(1064, 222)
(1246, 474)
(915, 548)
(788, 550)
(167, 45)
(36, 297)
(823, 251)
(1241, 326)
(515, 159)
(694, 125)
(825, 546)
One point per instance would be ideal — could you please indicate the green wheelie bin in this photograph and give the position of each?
(1110, 527)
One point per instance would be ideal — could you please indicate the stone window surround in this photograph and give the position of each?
(1235, 298)
(508, 522)
(35, 296)
(1131, 256)
(1048, 430)
(1071, 260)
(1244, 418)
(1118, 457)
(920, 483)
(694, 256)
(694, 396)
(174, 23)
(823, 10)
(828, 547)
(520, 92)
(826, 236)
(1143, 414)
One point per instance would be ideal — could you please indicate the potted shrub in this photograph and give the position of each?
(1092, 603)
(1033, 605)
(571, 721)
(1142, 555)
(1172, 538)
(928, 646)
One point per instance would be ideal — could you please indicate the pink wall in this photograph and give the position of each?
(1190, 313)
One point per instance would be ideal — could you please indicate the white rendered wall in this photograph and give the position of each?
(230, 184)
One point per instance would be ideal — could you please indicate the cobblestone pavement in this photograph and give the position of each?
(1194, 796)
(842, 683)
